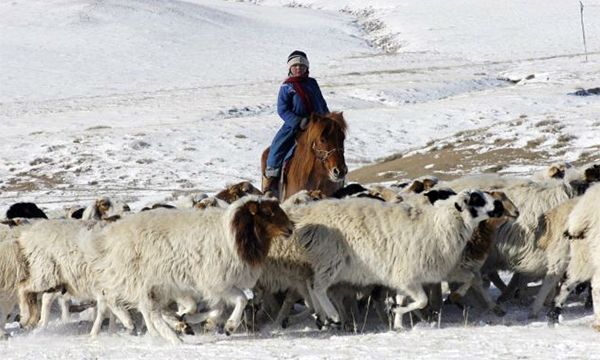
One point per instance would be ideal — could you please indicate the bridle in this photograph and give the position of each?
(324, 154)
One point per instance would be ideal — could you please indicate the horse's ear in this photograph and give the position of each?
(314, 117)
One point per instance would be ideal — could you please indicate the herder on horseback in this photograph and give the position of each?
(299, 96)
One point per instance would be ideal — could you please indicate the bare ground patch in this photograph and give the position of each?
(31, 181)
(458, 159)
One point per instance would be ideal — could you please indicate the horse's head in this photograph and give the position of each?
(325, 135)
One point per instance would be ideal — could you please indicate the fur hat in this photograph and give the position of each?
(297, 57)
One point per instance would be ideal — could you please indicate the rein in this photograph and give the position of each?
(324, 154)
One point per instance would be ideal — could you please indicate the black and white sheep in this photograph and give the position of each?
(468, 270)
(365, 242)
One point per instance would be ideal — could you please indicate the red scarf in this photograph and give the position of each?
(297, 82)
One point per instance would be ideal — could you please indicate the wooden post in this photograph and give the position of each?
(583, 31)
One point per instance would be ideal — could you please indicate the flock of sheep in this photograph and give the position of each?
(392, 245)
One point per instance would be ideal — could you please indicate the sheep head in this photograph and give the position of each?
(479, 205)
(255, 223)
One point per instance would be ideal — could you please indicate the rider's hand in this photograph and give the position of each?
(303, 123)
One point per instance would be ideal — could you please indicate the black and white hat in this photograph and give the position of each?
(297, 57)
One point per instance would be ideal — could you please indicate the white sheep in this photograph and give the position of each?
(583, 226)
(366, 242)
(213, 254)
(103, 208)
(515, 247)
(57, 263)
(516, 242)
(555, 171)
(556, 248)
(13, 270)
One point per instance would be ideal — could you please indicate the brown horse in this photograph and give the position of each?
(318, 162)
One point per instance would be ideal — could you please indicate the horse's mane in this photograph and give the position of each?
(319, 126)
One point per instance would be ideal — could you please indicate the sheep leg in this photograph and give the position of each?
(210, 317)
(24, 310)
(319, 313)
(304, 293)
(122, 314)
(379, 297)
(143, 308)
(185, 305)
(497, 281)
(434, 294)
(419, 301)
(459, 293)
(64, 301)
(548, 285)
(327, 307)
(511, 290)
(112, 323)
(565, 289)
(5, 310)
(288, 303)
(28, 308)
(203, 316)
(596, 298)
(337, 298)
(101, 308)
(177, 322)
(382, 314)
(269, 305)
(162, 327)
(154, 319)
(401, 300)
(301, 315)
(239, 299)
(47, 301)
(353, 306)
(485, 294)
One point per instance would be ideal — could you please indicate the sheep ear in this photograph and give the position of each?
(457, 207)
(11, 222)
(253, 207)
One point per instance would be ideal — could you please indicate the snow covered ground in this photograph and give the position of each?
(147, 100)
